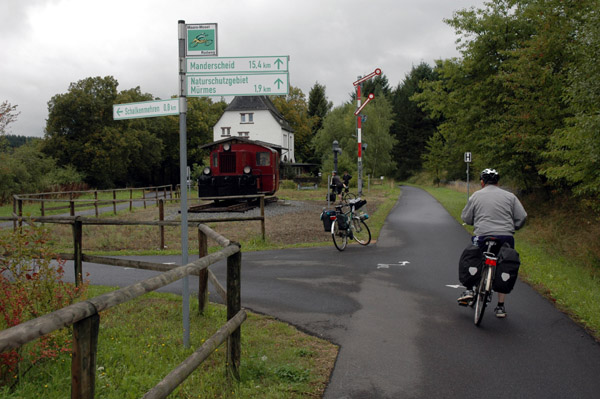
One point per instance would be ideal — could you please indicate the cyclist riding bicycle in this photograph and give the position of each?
(495, 213)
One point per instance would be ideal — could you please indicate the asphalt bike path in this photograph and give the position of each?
(391, 307)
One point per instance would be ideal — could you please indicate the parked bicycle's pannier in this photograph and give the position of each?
(507, 270)
(326, 218)
(470, 265)
(342, 221)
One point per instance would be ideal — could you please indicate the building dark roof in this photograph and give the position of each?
(258, 103)
(242, 140)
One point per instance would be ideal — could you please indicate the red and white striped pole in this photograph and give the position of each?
(359, 108)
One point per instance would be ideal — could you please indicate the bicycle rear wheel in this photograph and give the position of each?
(481, 295)
(361, 231)
(340, 237)
(346, 197)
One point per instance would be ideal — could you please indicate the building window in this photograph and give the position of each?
(247, 117)
(244, 134)
(225, 131)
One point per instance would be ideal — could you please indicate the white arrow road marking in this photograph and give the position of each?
(454, 286)
(387, 265)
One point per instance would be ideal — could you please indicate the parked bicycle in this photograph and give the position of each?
(349, 224)
(347, 196)
(483, 289)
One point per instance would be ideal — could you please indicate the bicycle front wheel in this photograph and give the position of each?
(340, 237)
(361, 231)
(481, 295)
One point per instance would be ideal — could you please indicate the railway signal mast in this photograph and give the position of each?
(359, 108)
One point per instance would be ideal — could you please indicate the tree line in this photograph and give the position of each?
(523, 96)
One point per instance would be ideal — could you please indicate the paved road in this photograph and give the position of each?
(391, 309)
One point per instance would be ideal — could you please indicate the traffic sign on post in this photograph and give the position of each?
(237, 85)
(146, 109)
(201, 40)
(260, 64)
(467, 157)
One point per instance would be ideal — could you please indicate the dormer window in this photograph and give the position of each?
(247, 117)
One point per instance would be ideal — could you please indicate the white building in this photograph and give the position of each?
(256, 118)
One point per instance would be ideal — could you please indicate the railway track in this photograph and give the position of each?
(228, 206)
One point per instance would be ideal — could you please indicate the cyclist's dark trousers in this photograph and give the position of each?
(480, 242)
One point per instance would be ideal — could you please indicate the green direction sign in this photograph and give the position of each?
(201, 40)
(213, 65)
(237, 85)
(146, 109)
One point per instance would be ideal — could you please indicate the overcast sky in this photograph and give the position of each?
(47, 44)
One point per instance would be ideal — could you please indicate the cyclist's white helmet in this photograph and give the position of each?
(490, 176)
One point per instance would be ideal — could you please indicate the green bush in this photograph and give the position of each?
(31, 285)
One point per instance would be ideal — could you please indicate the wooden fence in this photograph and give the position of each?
(18, 218)
(84, 316)
(71, 202)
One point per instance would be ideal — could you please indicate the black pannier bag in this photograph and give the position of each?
(342, 221)
(470, 265)
(507, 270)
(326, 218)
(331, 197)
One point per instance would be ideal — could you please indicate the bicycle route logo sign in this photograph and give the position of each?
(201, 40)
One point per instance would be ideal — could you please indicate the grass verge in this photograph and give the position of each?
(572, 283)
(140, 342)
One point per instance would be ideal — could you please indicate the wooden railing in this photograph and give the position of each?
(84, 318)
(17, 218)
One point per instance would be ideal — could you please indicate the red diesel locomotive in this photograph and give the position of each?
(240, 166)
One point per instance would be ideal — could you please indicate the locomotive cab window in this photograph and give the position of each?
(263, 159)
(215, 160)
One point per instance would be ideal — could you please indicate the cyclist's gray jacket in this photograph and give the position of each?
(494, 211)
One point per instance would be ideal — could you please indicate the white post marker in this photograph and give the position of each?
(146, 109)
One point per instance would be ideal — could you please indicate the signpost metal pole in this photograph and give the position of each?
(468, 162)
(183, 182)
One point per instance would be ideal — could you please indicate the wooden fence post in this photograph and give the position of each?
(161, 217)
(234, 304)
(114, 202)
(96, 201)
(71, 207)
(77, 250)
(20, 213)
(203, 275)
(83, 363)
(262, 215)
(14, 212)
(130, 200)
(42, 206)
(144, 196)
